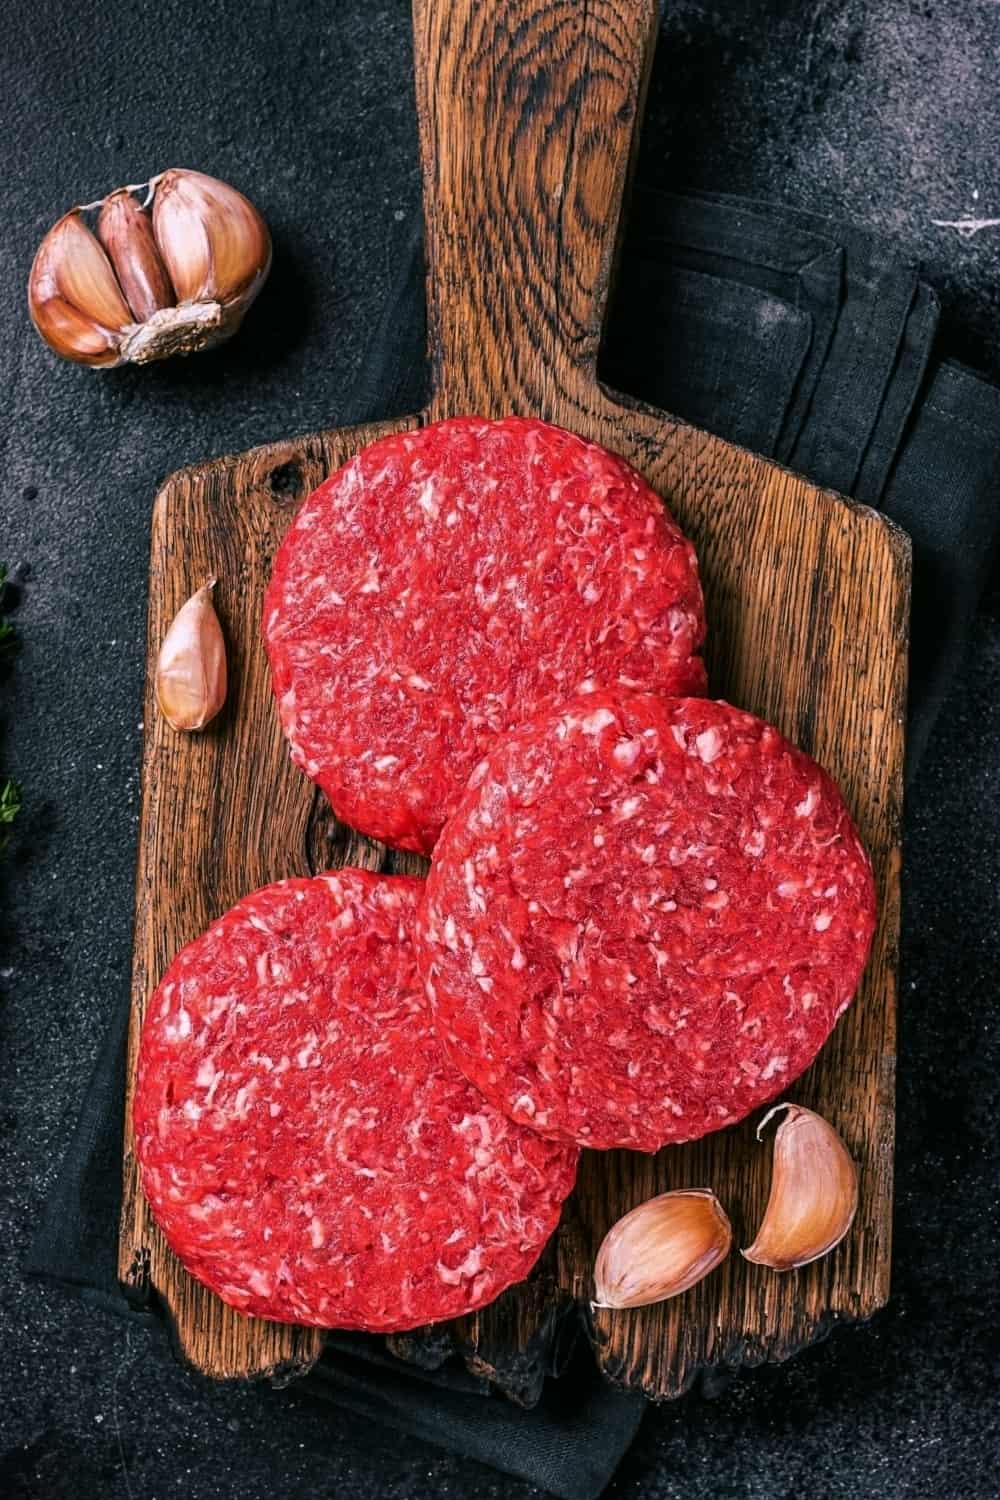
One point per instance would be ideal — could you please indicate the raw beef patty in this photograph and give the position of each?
(643, 919)
(445, 585)
(305, 1145)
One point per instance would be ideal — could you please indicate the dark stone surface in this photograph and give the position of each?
(882, 110)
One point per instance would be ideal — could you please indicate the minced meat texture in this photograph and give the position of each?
(305, 1145)
(643, 919)
(448, 583)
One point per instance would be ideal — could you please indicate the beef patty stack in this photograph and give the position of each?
(360, 1097)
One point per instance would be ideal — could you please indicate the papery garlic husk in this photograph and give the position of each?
(74, 297)
(214, 243)
(661, 1248)
(191, 666)
(125, 229)
(150, 284)
(814, 1192)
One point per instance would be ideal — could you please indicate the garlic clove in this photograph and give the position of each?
(73, 335)
(814, 1192)
(126, 232)
(191, 667)
(73, 297)
(661, 1248)
(214, 243)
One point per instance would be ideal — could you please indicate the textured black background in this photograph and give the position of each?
(883, 110)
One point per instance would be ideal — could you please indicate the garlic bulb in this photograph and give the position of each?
(149, 284)
(661, 1248)
(191, 667)
(814, 1192)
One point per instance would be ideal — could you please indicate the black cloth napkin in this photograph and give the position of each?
(793, 336)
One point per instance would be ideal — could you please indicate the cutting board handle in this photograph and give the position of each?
(527, 111)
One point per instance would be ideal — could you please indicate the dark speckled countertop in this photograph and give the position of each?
(877, 109)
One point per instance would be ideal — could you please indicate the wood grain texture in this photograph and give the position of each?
(222, 813)
(527, 113)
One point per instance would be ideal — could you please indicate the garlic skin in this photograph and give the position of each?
(150, 284)
(74, 298)
(661, 1248)
(814, 1192)
(191, 667)
(126, 232)
(214, 243)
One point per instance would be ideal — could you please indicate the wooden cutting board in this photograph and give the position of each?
(528, 110)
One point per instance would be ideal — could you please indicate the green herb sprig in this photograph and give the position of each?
(10, 806)
(8, 634)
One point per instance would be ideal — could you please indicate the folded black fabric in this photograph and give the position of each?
(800, 339)
(811, 343)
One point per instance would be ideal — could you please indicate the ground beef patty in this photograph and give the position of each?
(306, 1147)
(643, 919)
(444, 586)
